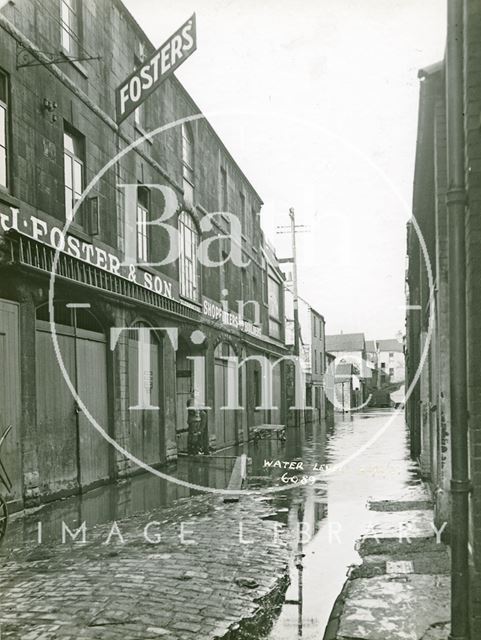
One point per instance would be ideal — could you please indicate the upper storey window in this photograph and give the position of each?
(189, 240)
(70, 25)
(3, 130)
(188, 164)
(73, 154)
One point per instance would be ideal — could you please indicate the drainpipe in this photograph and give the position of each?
(456, 202)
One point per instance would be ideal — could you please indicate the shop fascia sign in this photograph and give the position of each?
(53, 236)
(220, 313)
(138, 86)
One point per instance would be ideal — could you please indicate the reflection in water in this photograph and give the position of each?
(137, 494)
(324, 519)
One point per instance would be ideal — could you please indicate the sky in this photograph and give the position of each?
(317, 102)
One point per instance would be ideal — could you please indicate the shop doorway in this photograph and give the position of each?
(10, 398)
(224, 374)
(145, 383)
(71, 450)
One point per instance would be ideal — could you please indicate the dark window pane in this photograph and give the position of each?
(3, 88)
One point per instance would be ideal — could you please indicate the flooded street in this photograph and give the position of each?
(331, 513)
(334, 512)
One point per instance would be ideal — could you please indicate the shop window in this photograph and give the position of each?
(143, 206)
(3, 130)
(70, 26)
(74, 169)
(188, 164)
(188, 263)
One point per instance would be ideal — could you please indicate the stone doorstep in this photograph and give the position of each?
(398, 505)
(436, 562)
(402, 607)
(414, 523)
(392, 547)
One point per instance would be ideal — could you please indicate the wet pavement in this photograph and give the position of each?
(331, 514)
(336, 511)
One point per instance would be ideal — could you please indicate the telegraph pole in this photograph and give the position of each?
(294, 228)
(294, 282)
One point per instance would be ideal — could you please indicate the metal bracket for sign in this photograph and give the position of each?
(26, 58)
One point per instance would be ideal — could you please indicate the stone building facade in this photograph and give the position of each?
(429, 315)
(122, 336)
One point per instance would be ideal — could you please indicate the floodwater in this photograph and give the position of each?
(331, 513)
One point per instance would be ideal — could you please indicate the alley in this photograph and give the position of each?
(202, 567)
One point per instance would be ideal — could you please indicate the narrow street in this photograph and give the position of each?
(51, 590)
(240, 296)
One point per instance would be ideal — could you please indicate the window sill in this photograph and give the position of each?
(75, 63)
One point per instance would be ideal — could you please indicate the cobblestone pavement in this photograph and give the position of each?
(215, 568)
(401, 590)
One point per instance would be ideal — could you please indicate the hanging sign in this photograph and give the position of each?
(144, 80)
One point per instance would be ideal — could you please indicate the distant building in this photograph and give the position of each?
(391, 359)
(328, 384)
(316, 350)
(312, 347)
(372, 362)
(350, 348)
(346, 396)
(385, 360)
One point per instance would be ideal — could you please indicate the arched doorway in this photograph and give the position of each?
(225, 373)
(71, 451)
(145, 398)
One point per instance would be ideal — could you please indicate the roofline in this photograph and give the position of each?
(431, 70)
(319, 315)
